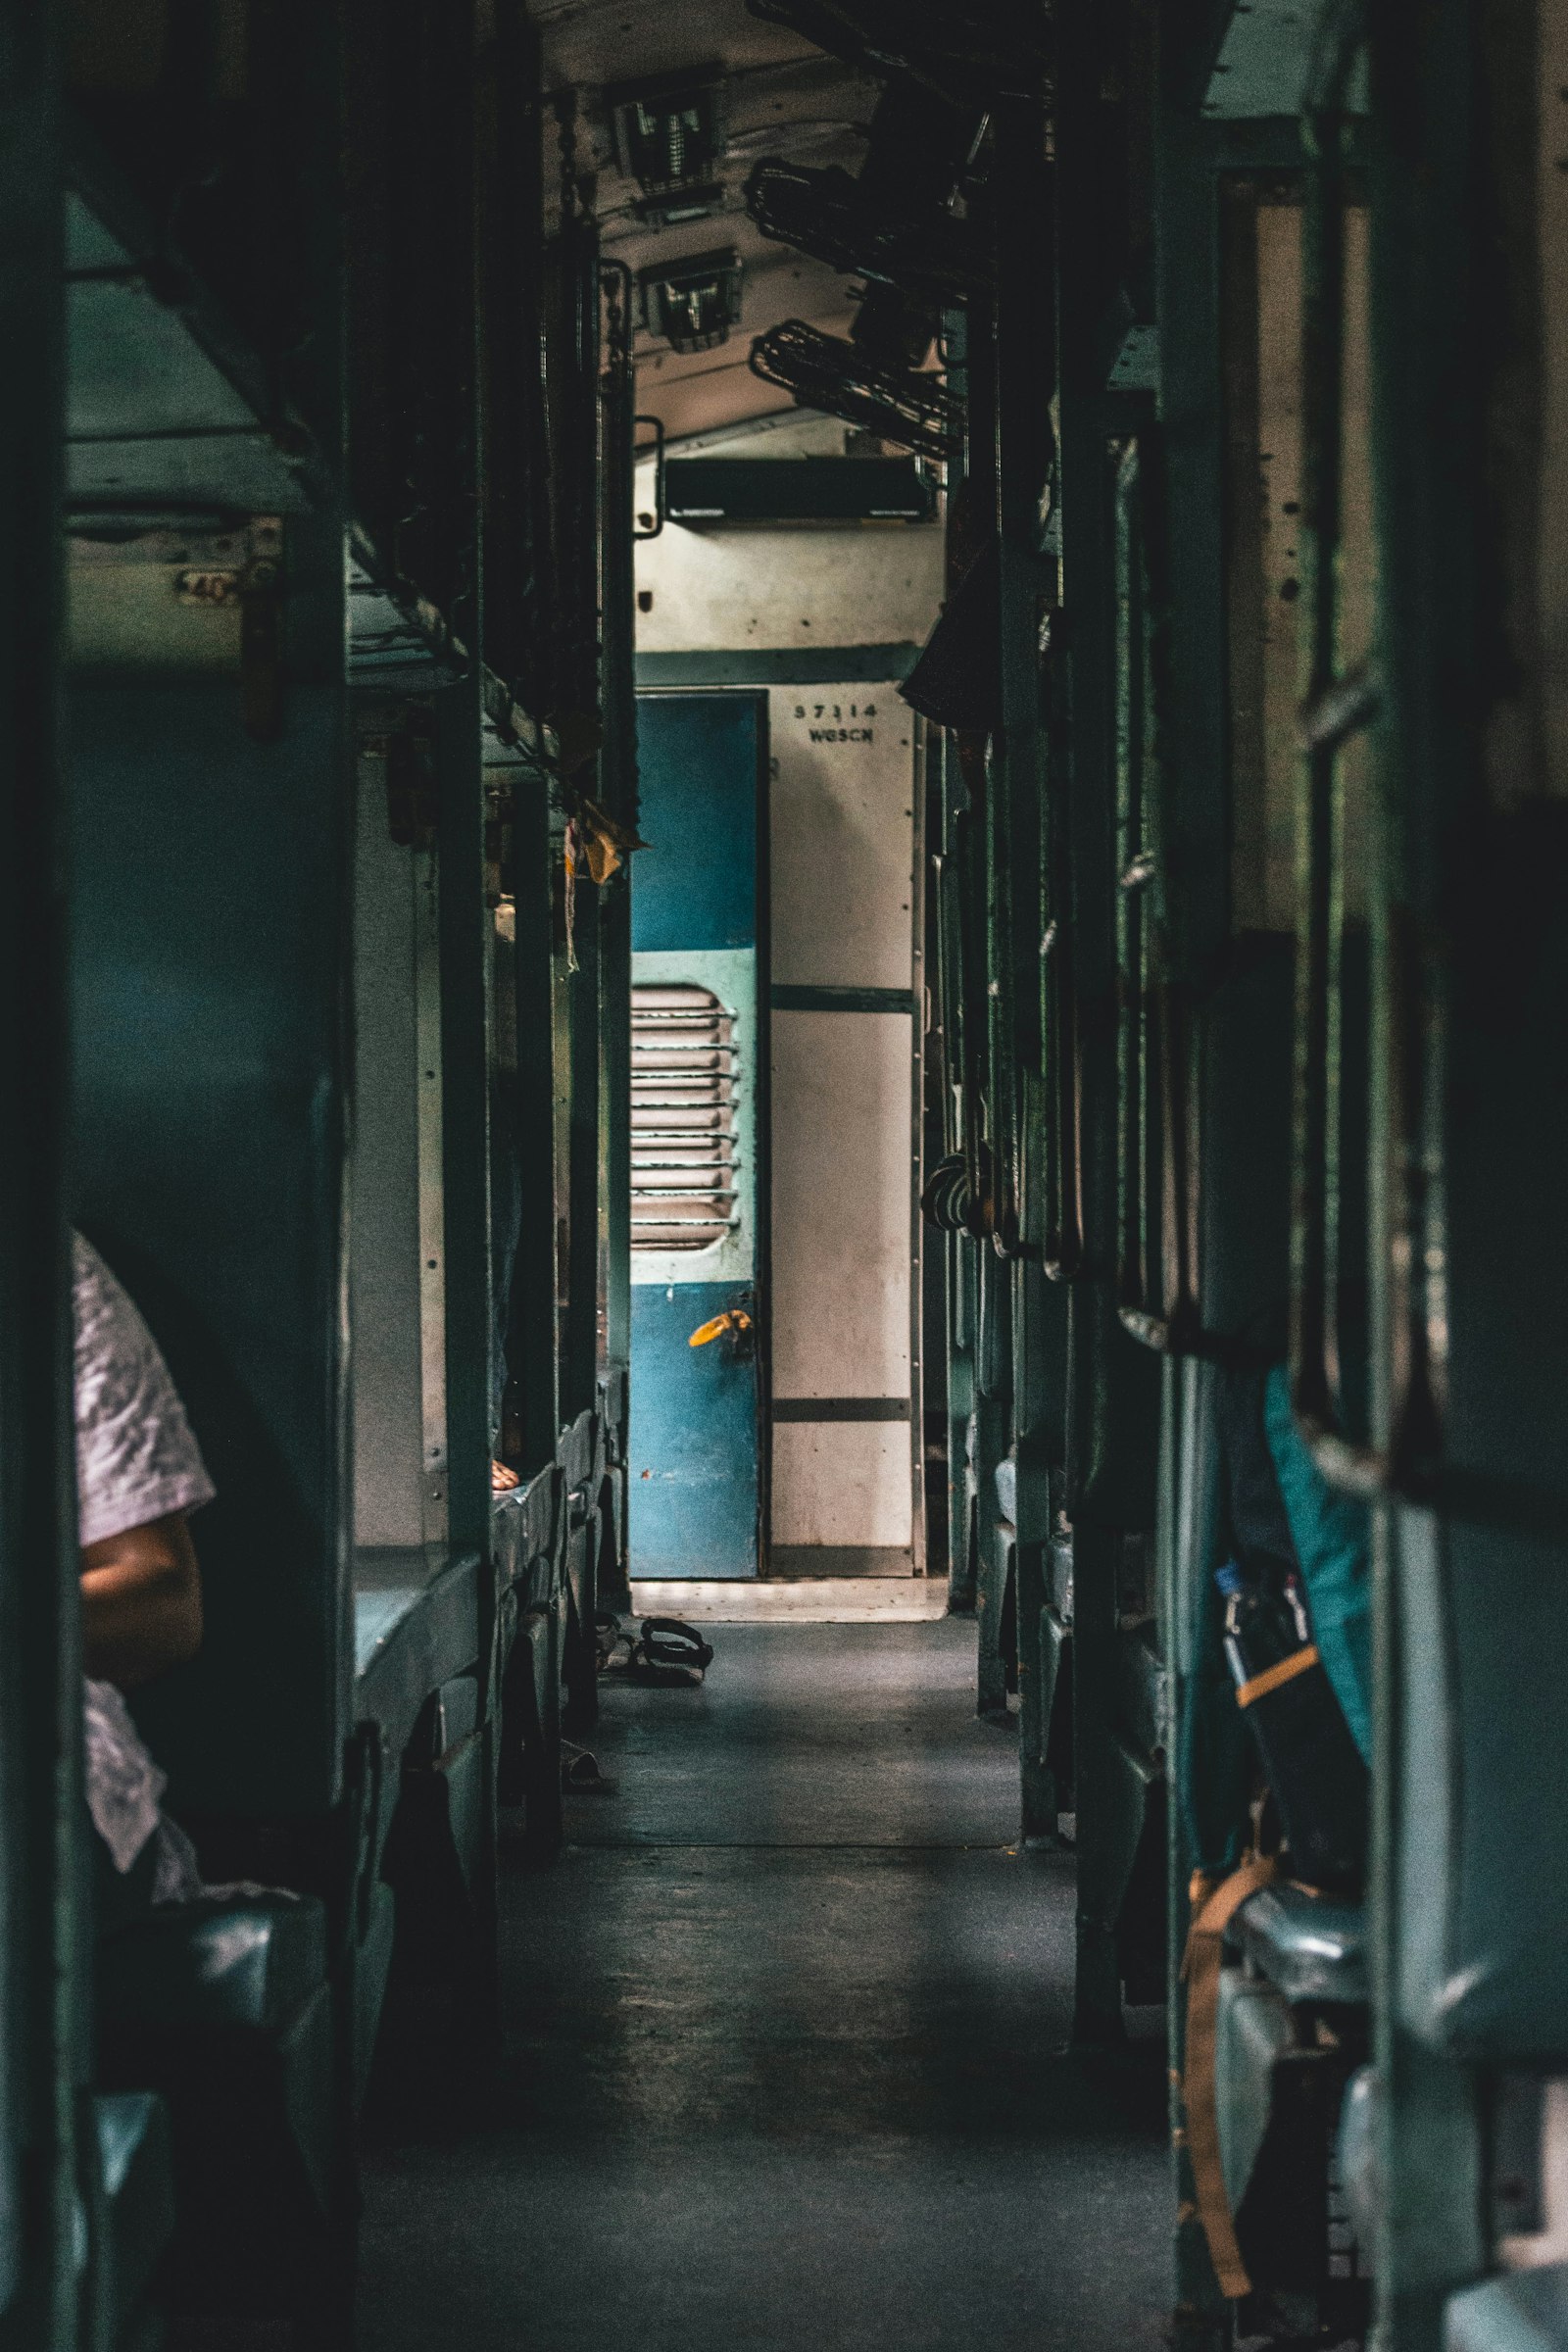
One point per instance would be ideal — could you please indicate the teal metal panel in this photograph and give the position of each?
(693, 1445)
(1265, 62)
(695, 1485)
(150, 413)
(41, 1932)
(209, 1000)
(695, 884)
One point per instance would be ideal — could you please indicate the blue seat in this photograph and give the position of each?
(1252, 2031)
(413, 1632)
(226, 2008)
(531, 1694)
(1281, 2091)
(1361, 2175)
(1311, 1946)
(1006, 1484)
(135, 2205)
(249, 1964)
(1524, 2312)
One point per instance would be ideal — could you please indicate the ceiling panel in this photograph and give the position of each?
(779, 96)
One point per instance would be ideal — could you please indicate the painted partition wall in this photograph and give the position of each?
(697, 933)
(397, 1283)
(844, 1118)
(209, 1050)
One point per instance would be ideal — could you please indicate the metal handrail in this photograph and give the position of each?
(1149, 1085)
(661, 497)
(1337, 707)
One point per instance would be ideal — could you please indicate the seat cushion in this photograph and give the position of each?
(1311, 1946)
(136, 2167)
(1527, 2312)
(132, 2126)
(1252, 2032)
(1006, 1484)
(249, 1962)
(1359, 2143)
(413, 1630)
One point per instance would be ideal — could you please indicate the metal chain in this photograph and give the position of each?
(567, 140)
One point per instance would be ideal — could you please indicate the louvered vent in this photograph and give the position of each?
(682, 1118)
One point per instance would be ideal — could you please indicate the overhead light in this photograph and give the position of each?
(668, 139)
(693, 304)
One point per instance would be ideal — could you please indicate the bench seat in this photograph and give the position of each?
(221, 1964)
(136, 2211)
(414, 1629)
(1311, 1946)
(1252, 2031)
(225, 2008)
(1006, 1484)
(1526, 2310)
(524, 1533)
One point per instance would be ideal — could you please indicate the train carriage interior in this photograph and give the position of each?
(783, 977)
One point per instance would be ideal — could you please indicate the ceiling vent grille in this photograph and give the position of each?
(682, 1118)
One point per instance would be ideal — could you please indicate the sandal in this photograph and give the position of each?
(672, 1642)
(669, 1654)
(580, 1775)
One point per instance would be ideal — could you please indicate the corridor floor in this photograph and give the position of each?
(785, 2064)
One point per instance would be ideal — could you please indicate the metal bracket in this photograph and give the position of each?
(661, 503)
(261, 637)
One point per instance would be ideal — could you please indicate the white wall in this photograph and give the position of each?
(810, 586)
(844, 1082)
(397, 1247)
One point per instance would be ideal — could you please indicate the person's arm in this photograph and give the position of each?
(141, 1601)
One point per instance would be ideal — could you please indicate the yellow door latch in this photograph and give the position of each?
(734, 1321)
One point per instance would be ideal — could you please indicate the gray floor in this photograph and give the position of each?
(786, 2065)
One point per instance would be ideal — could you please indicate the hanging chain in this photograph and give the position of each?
(618, 324)
(566, 142)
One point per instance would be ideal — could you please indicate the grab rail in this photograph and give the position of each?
(661, 494)
(1337, 707)
(1155, 1256)
(1064, 1243)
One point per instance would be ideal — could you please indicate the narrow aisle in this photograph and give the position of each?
(785, 2064)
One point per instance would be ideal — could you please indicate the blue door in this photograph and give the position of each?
(693, 1118)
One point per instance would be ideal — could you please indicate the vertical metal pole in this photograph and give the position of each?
(1086, 571)
(466, 1112)
(619, 771)
(533, 1278)
(1429, 383)
(1195, 850)
(464, 920)
(580, 1372)
(1025, 363)
(44, 1930)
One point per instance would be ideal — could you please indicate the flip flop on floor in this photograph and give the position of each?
(667, 1654)
(580, 1775)
(672, 1642)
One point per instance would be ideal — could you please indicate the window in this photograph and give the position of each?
(682, 1117)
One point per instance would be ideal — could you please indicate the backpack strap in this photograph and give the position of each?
(1201, 1968)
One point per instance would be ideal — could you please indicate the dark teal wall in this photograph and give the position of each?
(209, 937)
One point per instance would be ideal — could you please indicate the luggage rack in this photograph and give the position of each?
(909, 406)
